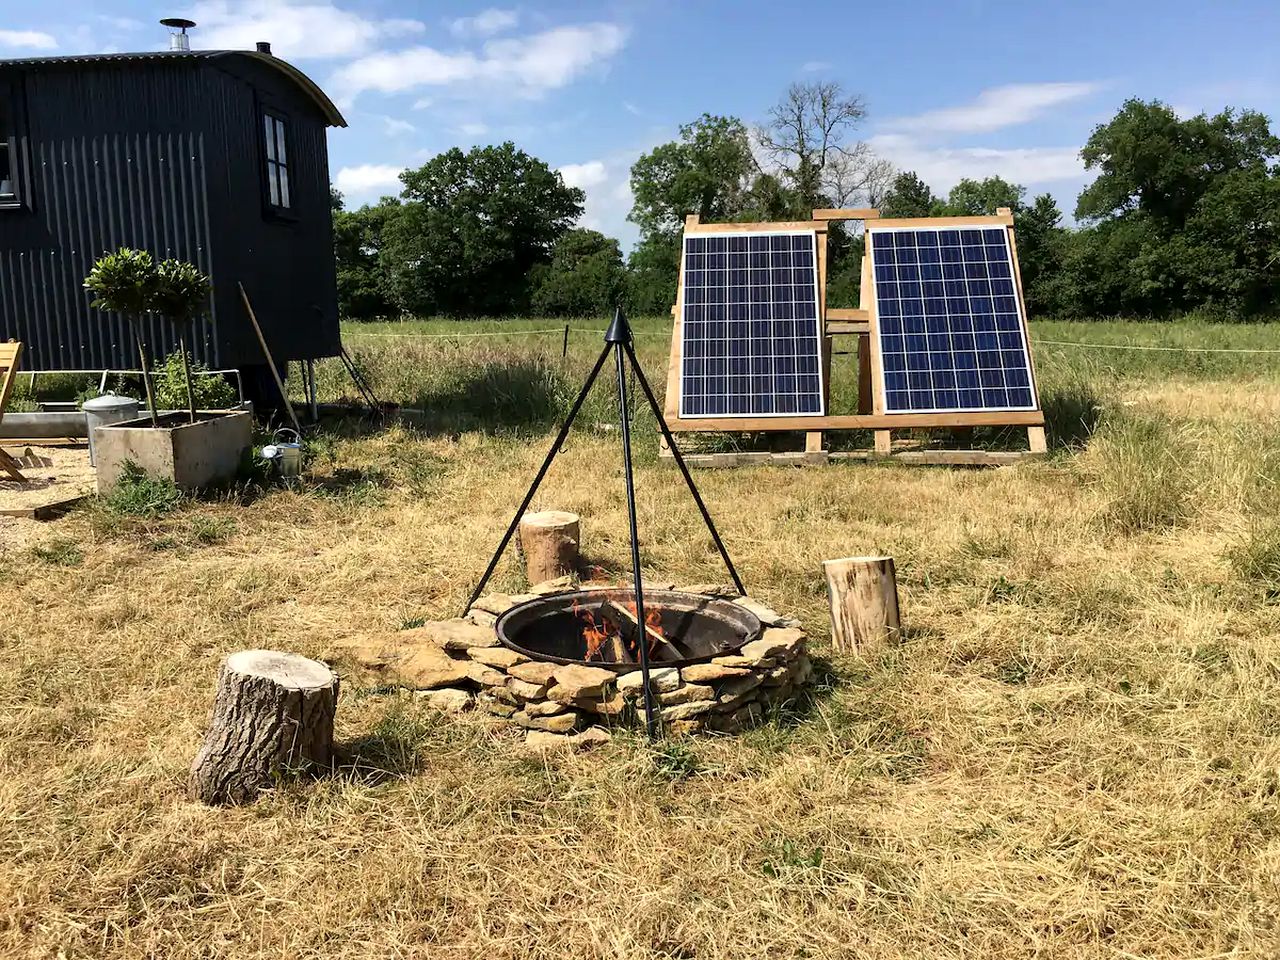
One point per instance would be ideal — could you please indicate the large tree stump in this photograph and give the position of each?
(863, 592)
(273, 714)
(549, 542)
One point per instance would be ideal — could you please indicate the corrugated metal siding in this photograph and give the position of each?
(162, 156)
(286, 265)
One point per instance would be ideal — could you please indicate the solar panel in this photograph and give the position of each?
(750, 344)
(950, 322)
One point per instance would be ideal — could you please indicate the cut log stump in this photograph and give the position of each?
(549, 542)
(272, 715)
(863, 592)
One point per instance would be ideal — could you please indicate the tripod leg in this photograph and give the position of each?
(684, 468)
(542, 472)
(650, 711)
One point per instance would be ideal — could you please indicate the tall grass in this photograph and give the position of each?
(1144, 469)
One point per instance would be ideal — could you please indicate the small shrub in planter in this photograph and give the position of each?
(193, 450)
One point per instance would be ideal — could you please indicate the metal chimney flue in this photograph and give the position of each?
(178, 27)
(264, 47)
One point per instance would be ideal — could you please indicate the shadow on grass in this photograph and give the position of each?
(505, 395)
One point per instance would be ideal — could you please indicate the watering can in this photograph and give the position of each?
(285, 453)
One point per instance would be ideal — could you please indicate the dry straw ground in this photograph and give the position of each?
(1074, 753)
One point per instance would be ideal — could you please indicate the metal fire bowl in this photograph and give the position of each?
(706, 627)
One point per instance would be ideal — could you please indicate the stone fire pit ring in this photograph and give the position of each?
(462, 666)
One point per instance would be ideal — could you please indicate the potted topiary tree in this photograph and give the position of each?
(123, 283)
(180, 293)
(193, 450)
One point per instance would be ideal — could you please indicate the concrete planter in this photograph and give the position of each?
(192, 455)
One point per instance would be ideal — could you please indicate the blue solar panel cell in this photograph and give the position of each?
(950, 329)
(750, 343)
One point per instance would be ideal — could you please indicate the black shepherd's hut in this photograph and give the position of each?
(214, 156)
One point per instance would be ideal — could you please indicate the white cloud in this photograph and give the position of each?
(525, 66)
(607, 184)
(32, 39)
(996, 108)
(815, 66)
(369, 179)
(585, 176)
(396, 127)
(942, 167)
(485, 23)
(473, 129)
(295, 30)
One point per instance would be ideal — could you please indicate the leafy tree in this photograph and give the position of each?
(471, 227)
(364, 287)
(1041, 255)
(1182, 214)
(337, 202)
(652, 274)
(179, 292)
(122, 282)
(585, 277)
(908, 196)
(707, 171)
(982, 198)
(1151, 162)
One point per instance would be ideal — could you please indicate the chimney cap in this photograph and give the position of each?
(264, 47)
(178, 23)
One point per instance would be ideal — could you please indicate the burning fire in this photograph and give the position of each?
(600, 632)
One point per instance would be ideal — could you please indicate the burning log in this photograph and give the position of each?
(628, 627)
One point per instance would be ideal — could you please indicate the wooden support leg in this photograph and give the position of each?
(813, 446)
(1036, 440)
(664, 448)
(884, 443)
(864, 374)
(10, 466)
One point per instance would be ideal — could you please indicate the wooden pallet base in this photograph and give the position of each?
(908, 451)
(949, 458)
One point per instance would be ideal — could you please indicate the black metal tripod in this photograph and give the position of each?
(618, 340)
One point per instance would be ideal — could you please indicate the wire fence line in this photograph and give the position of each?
(655, 333)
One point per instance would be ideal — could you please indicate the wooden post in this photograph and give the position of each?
(549, 541)
(273, 714)
(1036, 440)
(863, 592)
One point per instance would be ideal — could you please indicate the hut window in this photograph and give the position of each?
(277, 153)
(8, 181)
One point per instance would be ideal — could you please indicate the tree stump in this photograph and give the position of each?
(549, 542)
(273, 714)
(863, 592)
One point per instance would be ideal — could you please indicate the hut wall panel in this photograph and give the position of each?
(166, 157)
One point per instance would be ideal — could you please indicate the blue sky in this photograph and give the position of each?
(955, 89)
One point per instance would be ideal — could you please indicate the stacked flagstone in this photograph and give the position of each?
(460, 665)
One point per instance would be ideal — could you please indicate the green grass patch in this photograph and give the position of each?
(138, 494)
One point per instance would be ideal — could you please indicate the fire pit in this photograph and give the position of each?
(525, 658)
(599, 628)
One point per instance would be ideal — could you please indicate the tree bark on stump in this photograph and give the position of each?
(273, 714)
(549, 542)
(863, 592)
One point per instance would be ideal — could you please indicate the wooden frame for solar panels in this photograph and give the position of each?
(941, 335)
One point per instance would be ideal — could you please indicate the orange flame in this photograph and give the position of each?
(597, 632)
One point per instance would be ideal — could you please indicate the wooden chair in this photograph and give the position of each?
(9, 354)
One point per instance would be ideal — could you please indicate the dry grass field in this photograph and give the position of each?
(1075, 752)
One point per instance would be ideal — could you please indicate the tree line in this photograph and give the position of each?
(1182, 214)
